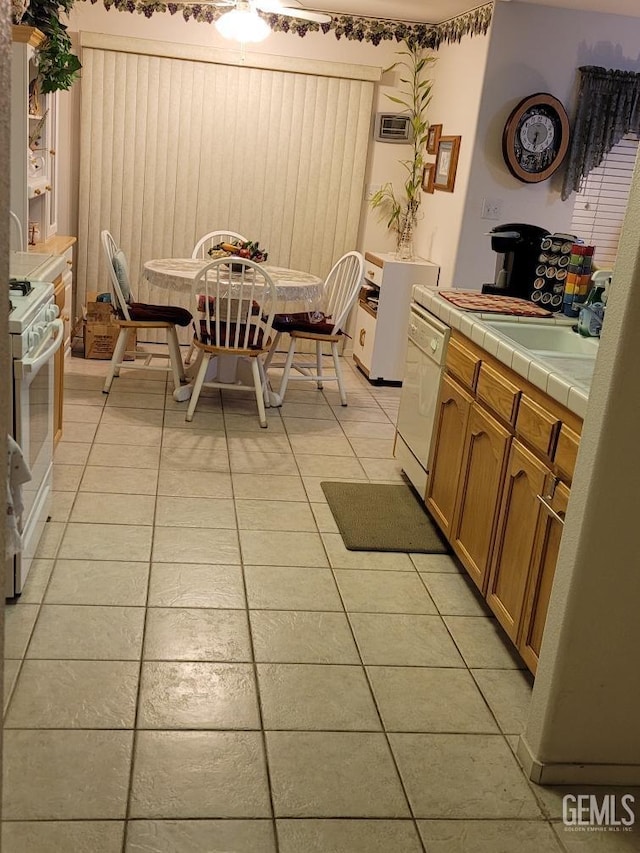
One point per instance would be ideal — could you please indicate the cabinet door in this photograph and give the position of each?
(452, 414)
(515, 536)
(58, 365)
(543, 567)
(65, 309)
(364, 339)
(485, 451)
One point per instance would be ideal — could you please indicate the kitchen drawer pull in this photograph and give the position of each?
(558, 517)
(69, 263)
(363, 335)
(371, 273)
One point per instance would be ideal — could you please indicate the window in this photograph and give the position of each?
(600, 206)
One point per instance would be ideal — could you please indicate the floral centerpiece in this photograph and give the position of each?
(248, 250)
(401, 211)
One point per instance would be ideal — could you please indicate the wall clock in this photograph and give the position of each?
(535, 138)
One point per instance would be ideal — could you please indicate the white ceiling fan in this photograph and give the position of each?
(242, 22)
(274, 7)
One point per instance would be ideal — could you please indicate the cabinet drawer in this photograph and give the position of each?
(566, 452)
(498, 393)
(538, 427)
(462, 364)
(373, 269)
(68, 256)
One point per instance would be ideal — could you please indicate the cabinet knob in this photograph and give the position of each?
(69, 263)
(37, 192)
(52, 152)
(371, 273)
(48, 187)
(362, 336)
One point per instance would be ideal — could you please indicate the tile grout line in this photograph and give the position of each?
(263, 737)
(134, 739)
(379, 713)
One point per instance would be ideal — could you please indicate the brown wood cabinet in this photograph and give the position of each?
(502, 459)
(484, 454)
(542, 570)
(525, 480)
(447, 446)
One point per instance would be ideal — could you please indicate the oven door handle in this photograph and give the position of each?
(32, 365)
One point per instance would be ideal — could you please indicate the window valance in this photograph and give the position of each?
(608, 108)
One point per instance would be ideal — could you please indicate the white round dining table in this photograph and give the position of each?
(296, 290)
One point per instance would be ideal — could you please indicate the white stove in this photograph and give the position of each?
(27, 300)
(36, 335)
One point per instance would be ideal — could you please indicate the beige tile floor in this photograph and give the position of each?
(198, 665)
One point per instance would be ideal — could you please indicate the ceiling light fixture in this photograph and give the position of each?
(242, 24)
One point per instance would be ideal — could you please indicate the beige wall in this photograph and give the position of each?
(457, 86)
(532, 49)
(583, 724)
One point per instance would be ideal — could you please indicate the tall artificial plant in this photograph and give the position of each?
(58, 66)
(401, 211)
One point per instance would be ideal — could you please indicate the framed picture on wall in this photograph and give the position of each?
(433, 138)
(428, 177)
(447, 163)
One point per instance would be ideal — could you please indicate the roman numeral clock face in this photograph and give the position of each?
(536, 138)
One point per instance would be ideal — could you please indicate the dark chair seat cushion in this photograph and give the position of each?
(300, 322)
(228, 333)
(159, 313)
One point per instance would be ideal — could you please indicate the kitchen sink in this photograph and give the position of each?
(545, 339)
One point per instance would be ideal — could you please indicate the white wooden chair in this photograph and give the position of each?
(341, 290)
(140, 315)
(201, 250)
(238, 323)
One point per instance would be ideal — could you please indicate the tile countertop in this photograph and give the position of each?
(36, 266)
(566, 384)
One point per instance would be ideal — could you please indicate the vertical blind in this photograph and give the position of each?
(601, 204)
(173, 148)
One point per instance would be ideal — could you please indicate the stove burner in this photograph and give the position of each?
(20, 286)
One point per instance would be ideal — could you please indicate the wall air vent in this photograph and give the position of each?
(393, 127)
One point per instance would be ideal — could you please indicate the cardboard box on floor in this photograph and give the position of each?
(101, 330)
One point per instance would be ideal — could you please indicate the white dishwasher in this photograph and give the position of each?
(426, 351)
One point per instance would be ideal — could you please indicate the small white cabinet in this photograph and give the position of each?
(380, 332)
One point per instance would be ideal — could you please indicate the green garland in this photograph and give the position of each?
(350, 27)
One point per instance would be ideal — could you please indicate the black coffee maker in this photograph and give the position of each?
(518, 247)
